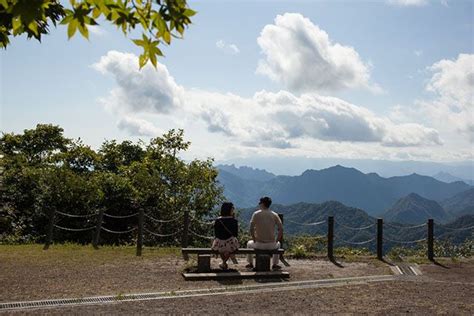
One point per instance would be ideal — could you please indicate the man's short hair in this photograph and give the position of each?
(266, 201)
(226, 208)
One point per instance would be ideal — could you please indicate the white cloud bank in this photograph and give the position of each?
(408, 3)
(273, 120)
(453, 84)
(227, 48)
(302, 57)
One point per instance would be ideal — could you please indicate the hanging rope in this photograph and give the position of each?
(164, 220)
(211, 222)
(117, 232)
(202, 236)
(355, 228)
(74, 215)
(355, 242)
(161, 235)
(404, 227)
(404, 242)
(74, 229)
(457, 229)
(307, 224)
(120, 216)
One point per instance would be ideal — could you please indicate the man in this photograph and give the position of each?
(262, 230)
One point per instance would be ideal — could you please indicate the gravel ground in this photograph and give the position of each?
(50, 275)
(41, 275)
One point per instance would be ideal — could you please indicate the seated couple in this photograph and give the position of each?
(262, 230)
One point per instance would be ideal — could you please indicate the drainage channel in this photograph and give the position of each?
(292, 285)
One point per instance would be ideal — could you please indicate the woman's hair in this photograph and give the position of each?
(226, 208)
(266, 201)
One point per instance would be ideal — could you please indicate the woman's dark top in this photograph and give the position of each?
(230, 223)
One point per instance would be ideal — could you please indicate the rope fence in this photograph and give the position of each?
(163, 220)
(118, 232)
(355, 242)
(355, 228)
(189, 218)
(307, 224)
(405, 227)
(74, 229)
(121, 216)
(162, 235)
(404, 242)
(75, 215)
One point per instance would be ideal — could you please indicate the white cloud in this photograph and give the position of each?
(418, 52)
(407, 3)
(138, 127)
(96, 30)
(278, 120)
(149, 90)
(303, 58)
(227, 48)
(453, 83)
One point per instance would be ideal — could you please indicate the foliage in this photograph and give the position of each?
(442, 248)
(305, 246)
(45, 173)
(158, 20)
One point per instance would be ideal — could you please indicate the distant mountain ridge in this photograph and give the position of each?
(414, 209)
(247, 173)
(460, 204)
(449, 178)
(369, 192)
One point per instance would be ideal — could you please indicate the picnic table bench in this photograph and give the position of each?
(262, 260)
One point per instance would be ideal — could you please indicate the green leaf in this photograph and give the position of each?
(167, 37)
(16, 24)
(33, 27)
(96, 12)
(4, 3)
(189, 12)
(84, 31)
(142, 60)
(72, 28)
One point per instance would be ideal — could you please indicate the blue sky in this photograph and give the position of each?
(389, 80)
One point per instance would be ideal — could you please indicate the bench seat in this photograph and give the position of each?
(204, 257)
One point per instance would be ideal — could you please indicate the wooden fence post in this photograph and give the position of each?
(331, 237)
(430, 239)
(100, 218)
(49, 237)
(380, 238)
(141, 218)
(185, 239)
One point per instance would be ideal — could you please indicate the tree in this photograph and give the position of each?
(158, 20)
(45, 173)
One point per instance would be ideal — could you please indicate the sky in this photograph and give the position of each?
(388, 80)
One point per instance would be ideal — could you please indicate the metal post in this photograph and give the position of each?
(185, 240)
(141, 215)
(331, 237)
(430, 239)
(100, 218)
(282, 259)
(380, 238)
(49, 237)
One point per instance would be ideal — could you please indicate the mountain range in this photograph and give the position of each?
(370, 192)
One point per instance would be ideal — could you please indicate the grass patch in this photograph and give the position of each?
(70, 252)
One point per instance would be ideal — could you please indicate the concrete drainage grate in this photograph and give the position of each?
(190, 293)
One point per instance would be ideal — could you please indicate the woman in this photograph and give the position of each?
(226, 229)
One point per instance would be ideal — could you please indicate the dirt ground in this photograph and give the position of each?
(49, 274)
(39, 275)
